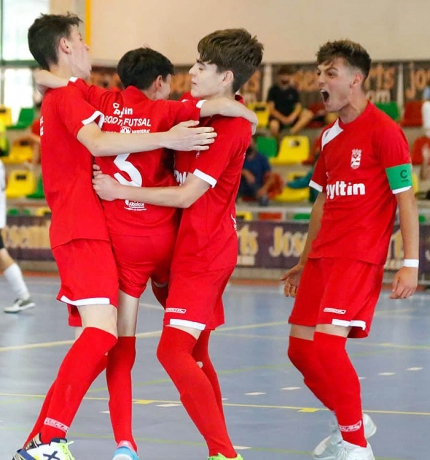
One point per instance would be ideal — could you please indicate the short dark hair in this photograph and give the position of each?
(140, 67)
(353, 53)
(46, 32)
(232, 49)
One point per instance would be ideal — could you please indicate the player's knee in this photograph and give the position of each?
(297, 352)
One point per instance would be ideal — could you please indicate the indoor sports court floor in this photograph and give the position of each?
(270, 414)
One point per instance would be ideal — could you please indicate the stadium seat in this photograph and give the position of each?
(42, 211)
(412, 115)
(4, 143)
(20, 183)
(19, 153)
(416, 152)
(25, 118)
(267, 146)
(302, 216)
(5, 115)
(391, 108)
(262, 111)
(288, 194)
(244, 215)
(270, 215)
(39, 192)
(415, 182)
(293, 150)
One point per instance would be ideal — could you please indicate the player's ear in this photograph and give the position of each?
(63, 45)
(228, 77)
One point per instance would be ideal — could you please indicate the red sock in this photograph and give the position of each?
(197, 395)
(345, 386)
(303, 355)
(201, 355)
(45, 406)
(76, 373)
(160, 292)
(118, 374)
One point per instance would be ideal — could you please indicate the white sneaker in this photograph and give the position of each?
(350, 451)
(57, 449)
(20, 305)
(328, 448)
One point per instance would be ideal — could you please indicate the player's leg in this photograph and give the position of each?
(34, 434)
(202, 357)
(303, 319)
(119, 379)
(347, 312)
(184, 321)
(89, 280)
(8, 266)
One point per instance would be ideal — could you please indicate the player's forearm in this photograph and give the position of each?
(409, 226)
(159, 196)
(228, 108)
(107, 144)
(45, 79)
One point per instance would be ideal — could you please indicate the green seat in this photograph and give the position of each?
(267, 146)
(39, 193)
(301, 216)
(25, 119)
(391, 108)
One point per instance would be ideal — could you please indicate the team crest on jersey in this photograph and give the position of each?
(355, 158)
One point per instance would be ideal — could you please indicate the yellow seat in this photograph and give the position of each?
(262, 111)
(293, 150)
(42, 211)
(415, 182)
(19, 153)
(20, 183)
(288, 194)
(244, 215)
(5, 115)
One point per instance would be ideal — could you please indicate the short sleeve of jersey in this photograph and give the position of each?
(210, 164)
(74, 110)
(184, 110)
(92, 93)
(393, 152)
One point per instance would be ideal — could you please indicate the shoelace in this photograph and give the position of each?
(66, 451)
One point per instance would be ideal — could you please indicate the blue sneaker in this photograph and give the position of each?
(125, 453)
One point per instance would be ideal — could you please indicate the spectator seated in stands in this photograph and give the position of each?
(258, 181)
(286, 110)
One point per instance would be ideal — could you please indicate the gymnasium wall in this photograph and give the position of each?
(291, 30)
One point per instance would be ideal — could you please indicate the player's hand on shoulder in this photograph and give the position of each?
(185, 136)
(405, 283)
(291, 279)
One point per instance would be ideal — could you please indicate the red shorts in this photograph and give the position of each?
(88, 275)
(195, 299)
(342, 292)
(139, 258)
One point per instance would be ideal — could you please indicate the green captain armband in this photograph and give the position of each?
(400, 177)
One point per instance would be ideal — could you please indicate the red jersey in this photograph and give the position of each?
(207, 238)
(360, 208)
(130, 111)
(67, 168)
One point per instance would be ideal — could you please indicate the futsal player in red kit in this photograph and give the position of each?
(206, 248)
(363, 175)
(78, 232)
(142, 235)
